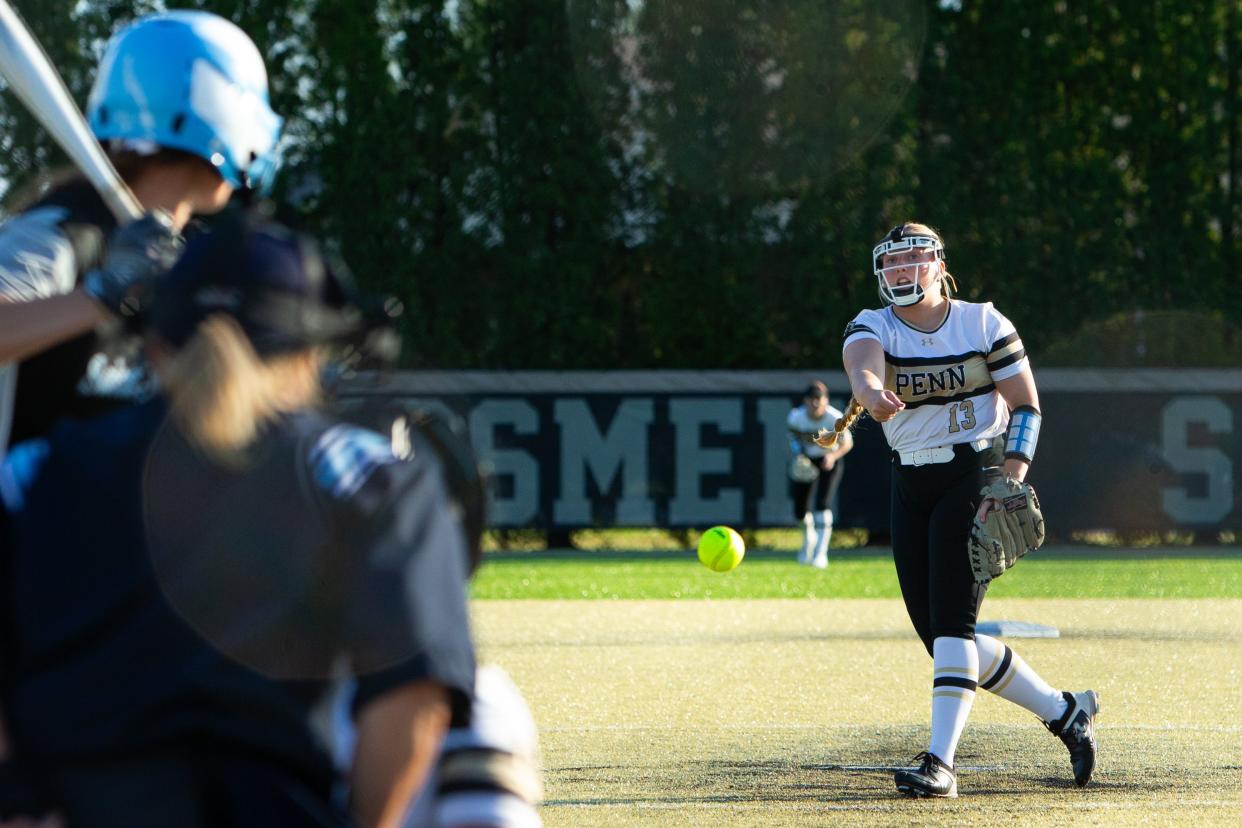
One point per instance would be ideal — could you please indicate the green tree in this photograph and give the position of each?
(698, 183)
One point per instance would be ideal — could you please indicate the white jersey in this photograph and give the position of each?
(803, 428)
(946, 377)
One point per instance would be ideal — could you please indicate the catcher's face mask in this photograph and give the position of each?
(900, 262)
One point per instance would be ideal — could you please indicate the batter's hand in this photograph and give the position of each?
(138, 253)
(882, 405)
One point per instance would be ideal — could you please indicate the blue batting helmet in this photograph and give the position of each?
(191, 81)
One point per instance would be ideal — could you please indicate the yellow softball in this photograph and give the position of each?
(721, 549)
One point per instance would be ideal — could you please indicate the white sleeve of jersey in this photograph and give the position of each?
(866, 325)
(36, 261)
(1006, 357)
(36, 258)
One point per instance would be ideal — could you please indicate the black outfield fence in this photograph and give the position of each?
(1123, 450)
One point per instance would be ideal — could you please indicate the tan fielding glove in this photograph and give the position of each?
(1008, 532)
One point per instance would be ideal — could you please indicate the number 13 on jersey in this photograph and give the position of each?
(967, 409)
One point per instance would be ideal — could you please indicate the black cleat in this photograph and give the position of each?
(932, 778)
(1076, 729)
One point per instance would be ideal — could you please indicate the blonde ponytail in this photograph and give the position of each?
(949, 285)
(222, 394)
(827, 439)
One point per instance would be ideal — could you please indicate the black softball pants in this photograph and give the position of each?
(825, 487)
(932, 509)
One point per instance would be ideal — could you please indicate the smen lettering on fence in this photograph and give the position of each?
(1131, 451)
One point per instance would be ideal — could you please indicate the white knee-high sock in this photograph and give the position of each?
(1004, 673)
(823, 524)
(953, 691)
(809, 538)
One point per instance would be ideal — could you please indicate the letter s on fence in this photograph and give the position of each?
(1218, 501)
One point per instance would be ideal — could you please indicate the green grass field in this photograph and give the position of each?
(1068, 572)
(768, 712)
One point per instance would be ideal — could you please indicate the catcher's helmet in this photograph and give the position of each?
(901, 238)
(283, 291)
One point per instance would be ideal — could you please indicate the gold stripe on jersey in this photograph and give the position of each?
(1005, 351)
(937, 380)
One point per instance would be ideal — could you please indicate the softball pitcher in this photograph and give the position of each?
(950, 383)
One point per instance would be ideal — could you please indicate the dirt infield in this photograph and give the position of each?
(782, 713)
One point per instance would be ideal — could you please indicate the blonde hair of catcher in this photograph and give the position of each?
(827, 439)
(222, 394)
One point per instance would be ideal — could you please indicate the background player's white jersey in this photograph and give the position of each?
(945, 377)
(803, 428)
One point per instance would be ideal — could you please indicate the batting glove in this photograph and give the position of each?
(137, 254)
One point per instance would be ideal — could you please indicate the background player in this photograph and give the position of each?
(178, 641)
(815, 472)
(945, 377)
